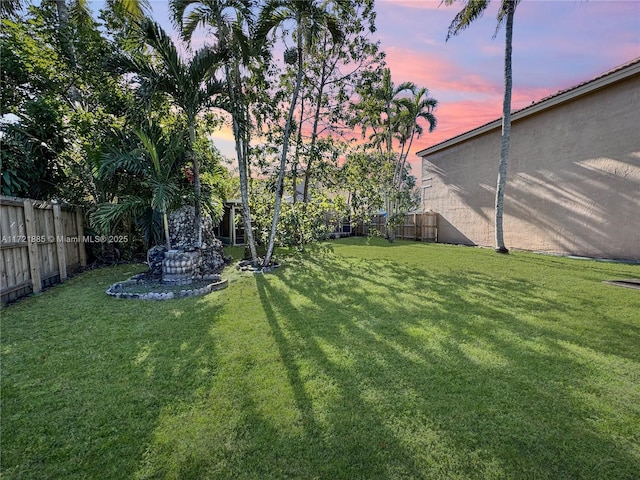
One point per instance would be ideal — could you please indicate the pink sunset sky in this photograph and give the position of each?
(556, 44)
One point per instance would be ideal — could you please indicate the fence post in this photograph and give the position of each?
(34, 259)
(81, 250)
(59, 233)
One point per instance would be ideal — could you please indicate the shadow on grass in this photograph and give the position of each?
(455, 375)
(331, 368)
(86, 379)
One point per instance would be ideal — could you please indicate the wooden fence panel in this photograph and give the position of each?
(45, 241)
(417, 226)
(40, 243)
(69, 225)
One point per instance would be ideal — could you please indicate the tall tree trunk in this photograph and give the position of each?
(242, 166)
(283, 159)
(66, 40)
(64, 31)
(314, 133)
(296, 162)
(506, 133)
(197, 187)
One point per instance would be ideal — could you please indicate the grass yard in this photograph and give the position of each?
(373, 361)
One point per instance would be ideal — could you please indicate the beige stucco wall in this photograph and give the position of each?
(573, 179)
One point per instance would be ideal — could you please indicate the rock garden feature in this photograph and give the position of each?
(248, 266)
(184, 271)
(141, 287)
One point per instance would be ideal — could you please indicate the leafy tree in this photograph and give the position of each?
(472, 10)
(309, 18)
(53, 135)
(331, 72)
(360, 176)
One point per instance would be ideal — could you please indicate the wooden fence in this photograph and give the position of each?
(41, 244)
(417, 226)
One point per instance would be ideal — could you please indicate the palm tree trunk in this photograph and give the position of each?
(506, 133)
(66, 40)
(64, 30)
(283, 159)
(242, 167)
(197, 188)
(165, 224)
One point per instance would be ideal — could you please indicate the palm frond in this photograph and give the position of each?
(107, 216)
(471, 11)
(150, 148)
(132, 9)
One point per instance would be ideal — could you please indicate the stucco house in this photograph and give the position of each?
(573, 181)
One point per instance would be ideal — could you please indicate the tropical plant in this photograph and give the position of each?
(309, 17)
(233, 24)
(393, 112)
(377, 108)
(472, 10)
(412, 110)
(156, 161)
(190, 85)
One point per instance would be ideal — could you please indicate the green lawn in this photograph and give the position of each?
(373, 361)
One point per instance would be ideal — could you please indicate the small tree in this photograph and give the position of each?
(156, 160)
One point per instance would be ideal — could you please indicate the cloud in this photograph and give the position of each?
(437, 72)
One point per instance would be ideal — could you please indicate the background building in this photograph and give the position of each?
(573, 181)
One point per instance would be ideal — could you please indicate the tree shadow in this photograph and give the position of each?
(457, 369)
(337, 367)
(88, 378)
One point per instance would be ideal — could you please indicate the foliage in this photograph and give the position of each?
(81, 86)
(368, 178)
(156, 161)
(303, 223)
(393, 114)
(74, 106)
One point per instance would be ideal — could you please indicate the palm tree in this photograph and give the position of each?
(190, 85)
(232, 21)
(472, 10)
(155, 161)
(413, 109)
(162, 185)
(384, 109)
(309, 18)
